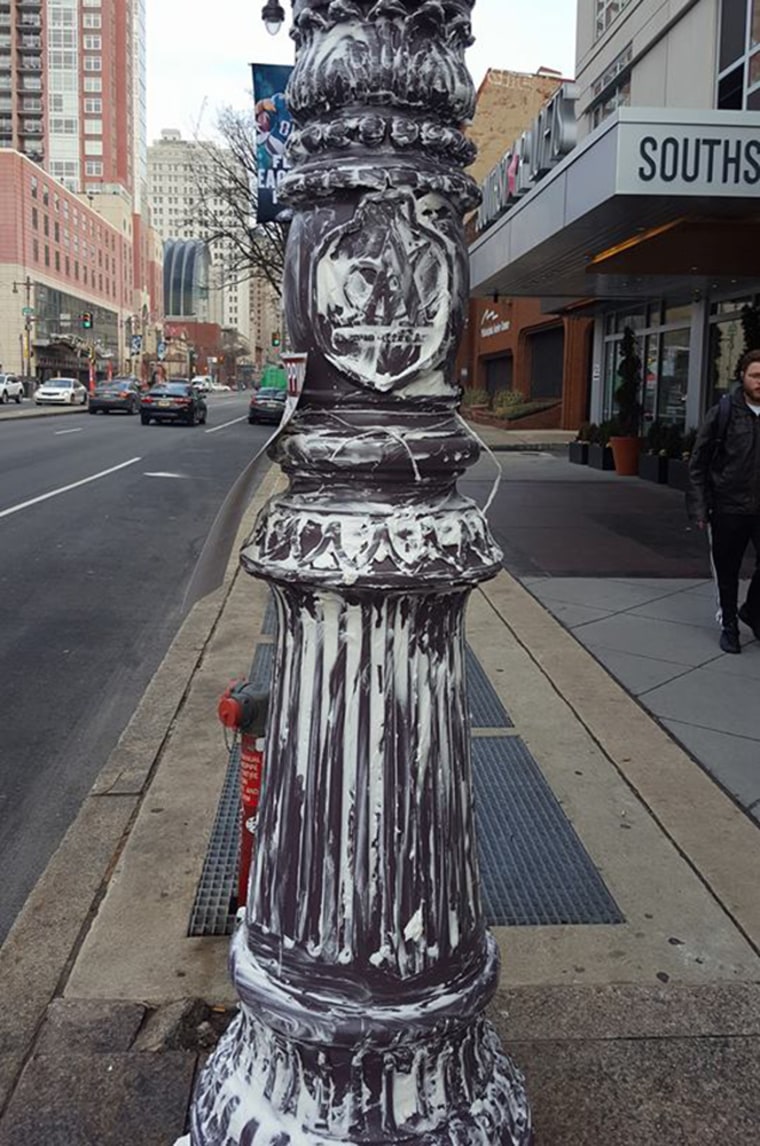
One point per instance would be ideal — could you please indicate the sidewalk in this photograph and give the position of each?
(636, 1019)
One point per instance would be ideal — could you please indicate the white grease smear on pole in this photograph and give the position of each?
(66, 488)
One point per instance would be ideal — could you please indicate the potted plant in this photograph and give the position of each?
(653, 459)
(626, 443)
(678, 466)
(577, 451)
(599, 452)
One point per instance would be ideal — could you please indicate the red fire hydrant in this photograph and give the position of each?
(245, 711)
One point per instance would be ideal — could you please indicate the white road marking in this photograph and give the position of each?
(160, 474)
(224, 425)
(57, 433)
(66, 488)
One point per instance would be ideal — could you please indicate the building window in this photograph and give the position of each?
(93, 64)
(93, 127)
(738, 86)
(93, 167)
(92, 43)
(93, 146)
(35, 219)
(91, 20)
(47, 255)
(93, 106)
(607, 11)
(93, 84)
(57, 261)
(35, 250)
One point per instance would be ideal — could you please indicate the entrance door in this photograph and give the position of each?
(498, 374)
(547, 349)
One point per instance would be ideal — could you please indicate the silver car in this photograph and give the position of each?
(61, 392)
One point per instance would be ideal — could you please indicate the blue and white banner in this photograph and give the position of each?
(273, 126)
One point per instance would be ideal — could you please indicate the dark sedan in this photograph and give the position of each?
(267, 405)
(117, 394)
(174, 401)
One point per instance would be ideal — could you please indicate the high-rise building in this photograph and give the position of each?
(91, 48)
(22, 110)
(182, 178)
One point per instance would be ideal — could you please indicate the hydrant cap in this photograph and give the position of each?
(230, 711)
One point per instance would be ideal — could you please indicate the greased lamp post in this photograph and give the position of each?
(364, 965)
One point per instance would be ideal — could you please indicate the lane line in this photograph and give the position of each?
(224, 425)
(66, 488)
(57, 433)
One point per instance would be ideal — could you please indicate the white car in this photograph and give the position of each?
(202, 382)
(220, 388)
(10, 387)
(61, 392)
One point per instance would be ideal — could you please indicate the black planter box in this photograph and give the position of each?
(600, 458)
(678, 474)
(653, 467)
(577, 452)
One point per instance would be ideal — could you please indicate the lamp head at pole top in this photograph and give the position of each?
(273, 16)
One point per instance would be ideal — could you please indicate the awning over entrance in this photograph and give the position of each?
(654, 201)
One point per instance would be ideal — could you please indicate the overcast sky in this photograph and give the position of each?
(198, 58)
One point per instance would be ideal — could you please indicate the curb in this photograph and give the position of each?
(43, 944)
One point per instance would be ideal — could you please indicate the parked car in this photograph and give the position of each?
(11, 387)
(219, 388)
(61, 392)
(118, 394)
(203, 382)
(266, 405)
(177, 400)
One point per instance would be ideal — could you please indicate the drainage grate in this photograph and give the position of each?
(269, 624)
(486, 710)
(218, 883)
(261, 669)
(534, 868)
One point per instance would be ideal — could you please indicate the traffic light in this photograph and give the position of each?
(275, 338)
(86, 320)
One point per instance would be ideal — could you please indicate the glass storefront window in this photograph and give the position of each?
(730, 305)
(636, 321)
(650, 371)
(726, 344)
(754, 69)
(755, 26)
(675, 314)
(674, 377)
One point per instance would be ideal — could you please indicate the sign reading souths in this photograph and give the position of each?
(670, 159)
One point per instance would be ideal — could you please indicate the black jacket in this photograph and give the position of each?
(725, 477)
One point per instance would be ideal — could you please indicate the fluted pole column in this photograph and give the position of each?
(363, 965)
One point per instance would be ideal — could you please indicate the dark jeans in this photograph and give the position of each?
(731, 534)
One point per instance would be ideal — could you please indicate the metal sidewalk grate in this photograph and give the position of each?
(534, 868)
(218, 882)
(269, 624)
(261, 669)
(486, 710)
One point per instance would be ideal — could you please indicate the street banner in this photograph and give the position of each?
(273, 126)
(295, 371)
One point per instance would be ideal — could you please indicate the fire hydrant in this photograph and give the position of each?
(244, 710)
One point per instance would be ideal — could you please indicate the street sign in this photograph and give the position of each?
(161, 350)
(27, 311)
(64, 318)
(136, 343)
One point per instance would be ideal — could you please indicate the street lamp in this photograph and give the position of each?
(363, 964)
(273, 16)
(28, 313)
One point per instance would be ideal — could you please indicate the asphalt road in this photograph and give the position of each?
(91, 587)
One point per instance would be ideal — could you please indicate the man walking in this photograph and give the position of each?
(724, 496)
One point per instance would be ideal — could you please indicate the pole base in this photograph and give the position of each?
(458, 1089)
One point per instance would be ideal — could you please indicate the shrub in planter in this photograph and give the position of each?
(599, 452)
(625, 442)
(472, 398)
(577, 451)
(678, 467)
(653, 461)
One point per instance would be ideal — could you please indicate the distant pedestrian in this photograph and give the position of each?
(724, 497)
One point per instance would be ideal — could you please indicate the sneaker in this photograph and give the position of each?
(729, 640)
(744, 616)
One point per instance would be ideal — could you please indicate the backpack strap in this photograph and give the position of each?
(724, 416)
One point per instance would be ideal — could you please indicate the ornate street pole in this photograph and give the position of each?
(364, 965)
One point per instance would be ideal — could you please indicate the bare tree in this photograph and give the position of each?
(226, 183)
